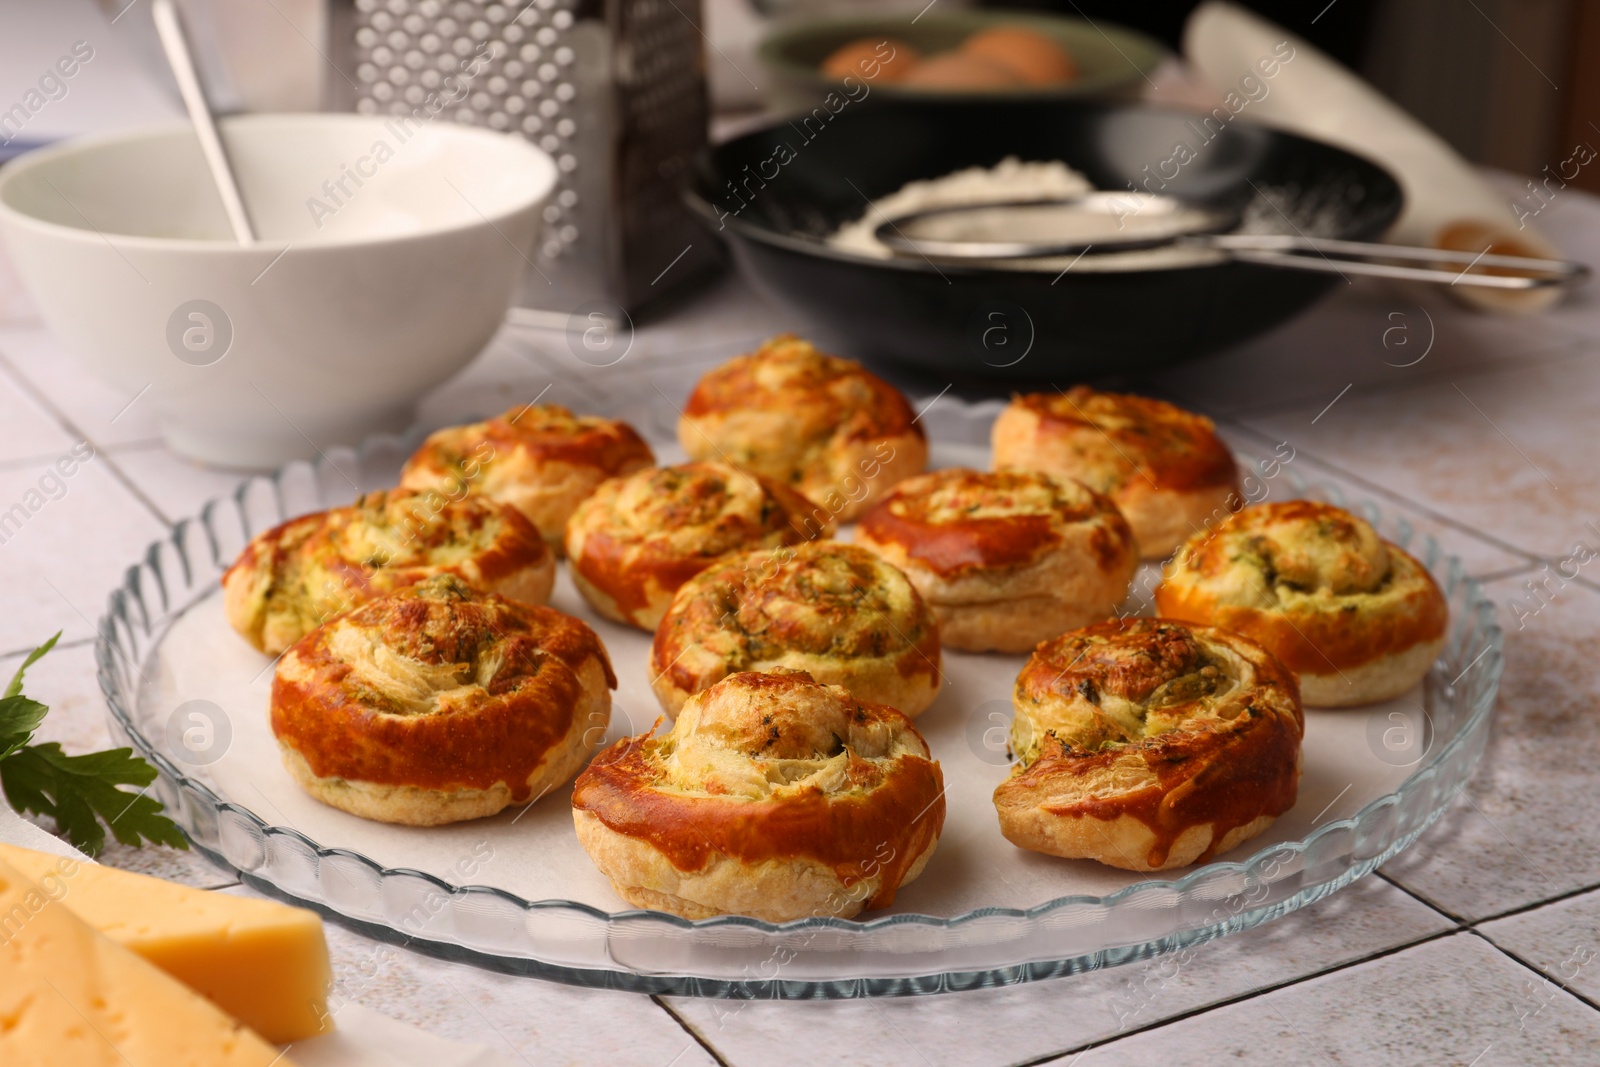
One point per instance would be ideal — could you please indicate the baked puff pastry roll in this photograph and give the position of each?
(636, 539)
(1354, 616)
(1005, 560)
(822, 425)
(1166, 468)
(440, 703)
(541, 459)
(836, 611)
(1148, 744)
(298, 575)
(772, 796)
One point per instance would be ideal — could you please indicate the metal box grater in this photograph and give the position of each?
(614, 90)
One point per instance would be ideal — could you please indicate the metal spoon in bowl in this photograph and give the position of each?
(1109, 222)
(169, 27)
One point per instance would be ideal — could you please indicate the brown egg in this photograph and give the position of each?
(958, 70)
(1036, 59)
(879, 59)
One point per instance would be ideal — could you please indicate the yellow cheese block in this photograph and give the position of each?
(70, 996)
(262, 962)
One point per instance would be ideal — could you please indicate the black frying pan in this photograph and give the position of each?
(792, 184)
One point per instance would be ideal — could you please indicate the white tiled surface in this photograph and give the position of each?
(1524, 830)
(1493, 450)
(1452, 1001)
(1481, 941)
(1029, 1023)
(529, 1021)
(1561, 940)
(58, 565)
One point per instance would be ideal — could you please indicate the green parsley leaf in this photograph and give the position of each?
(19, 716)
(33, 657)
(78, 792)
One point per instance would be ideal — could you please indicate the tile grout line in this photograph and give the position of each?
(25, 387)
(77, 642)
(1242, 997)
(1472, 924)
(133, 487)
(1473, 927)
(1574, 994)
(1523, 909)
(1461, 923)
(1501, 575)
(690, 1029)
(100, 452)
(35, 460)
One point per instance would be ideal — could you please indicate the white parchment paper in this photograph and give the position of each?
(534, 854)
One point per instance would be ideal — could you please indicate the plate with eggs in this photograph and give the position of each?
(951, 54)
(792, 687)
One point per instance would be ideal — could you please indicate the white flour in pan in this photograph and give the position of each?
(1012, 180)
(1009, 180)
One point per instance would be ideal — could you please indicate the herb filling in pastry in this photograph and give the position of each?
(1354, 616)
(834, 610)
(639, 538)
(822, 425)
(302, 573)
(772, 796)
(1148, 744)
(440, 703)
(1005, 559)
(541, 459)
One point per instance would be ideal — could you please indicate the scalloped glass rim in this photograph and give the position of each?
(279, 860)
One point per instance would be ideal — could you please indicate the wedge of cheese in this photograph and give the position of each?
(69, 995)
(264, 963)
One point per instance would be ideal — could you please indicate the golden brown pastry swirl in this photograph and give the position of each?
(825, 426)
(637, 539)
(1149, 744)
(1354, 616)
(440, 703)
(1005, 559)
(309, 570)
(834, 610)
(1165, 467)
(772, 796)
(541, 459)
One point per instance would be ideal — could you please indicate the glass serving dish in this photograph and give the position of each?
(991, 915)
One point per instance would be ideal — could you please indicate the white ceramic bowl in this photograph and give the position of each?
(387, 256)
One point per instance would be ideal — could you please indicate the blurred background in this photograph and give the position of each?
(1445, 61)
(656, 115)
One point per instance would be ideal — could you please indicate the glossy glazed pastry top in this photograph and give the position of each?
(638, 538)
(439, 687)
(1171, 727)
(1112, 439)
(1309, 580)
(955, 521)
(314, 568)
(835, 610)
(825, 426)
(777, 773)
